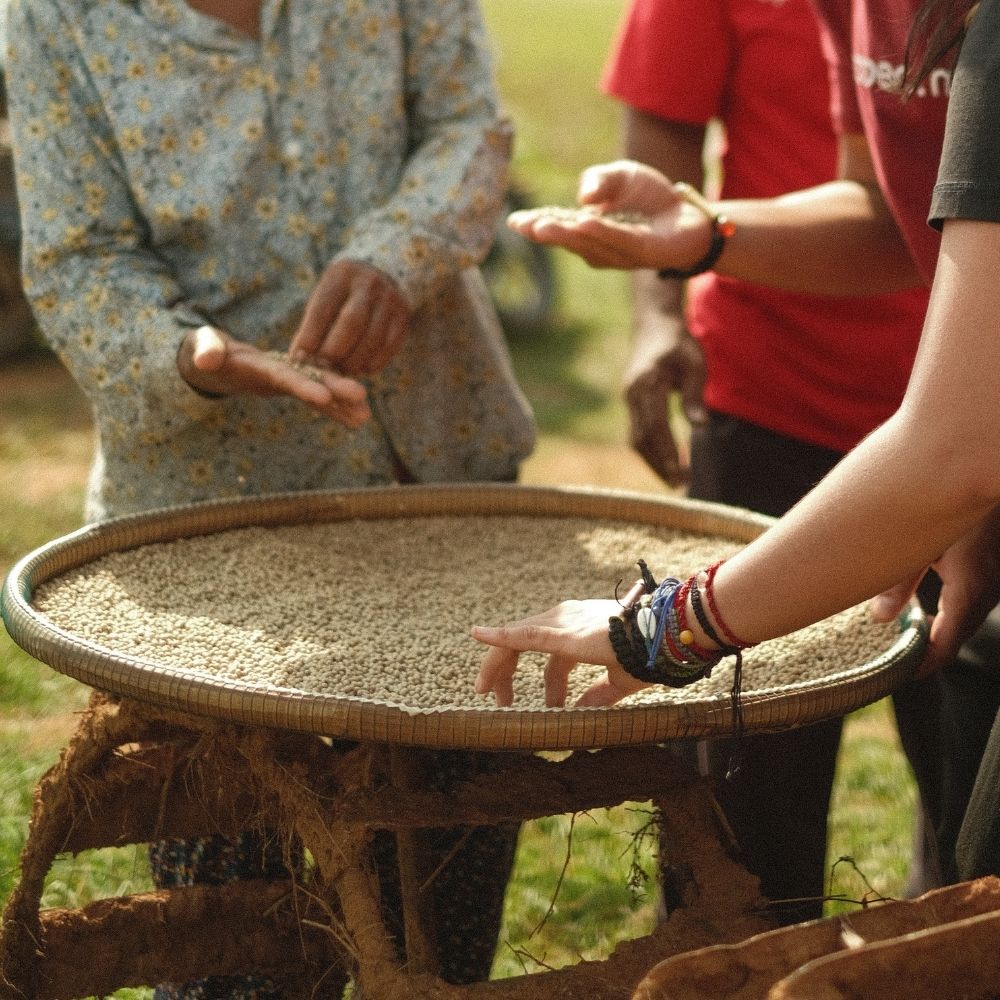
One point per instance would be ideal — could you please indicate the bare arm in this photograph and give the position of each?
(925, 479)
(923, 489)
(665, 358)
(838, 238)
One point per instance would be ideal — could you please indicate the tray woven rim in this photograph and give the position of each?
(455, 727)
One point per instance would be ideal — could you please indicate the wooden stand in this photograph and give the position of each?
(133, 773)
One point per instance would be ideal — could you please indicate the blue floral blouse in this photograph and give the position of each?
(172, 172)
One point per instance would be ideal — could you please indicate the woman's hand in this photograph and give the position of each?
(572, 632)
(355, 321)
(970, 579)
(212, 361)
(668, 231)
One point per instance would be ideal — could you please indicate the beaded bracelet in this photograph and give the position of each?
(653, 643)
(649, 637)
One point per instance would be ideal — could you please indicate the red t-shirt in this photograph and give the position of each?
(864, 41)
(819, 369)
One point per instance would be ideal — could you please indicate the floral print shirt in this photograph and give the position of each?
(173, 172)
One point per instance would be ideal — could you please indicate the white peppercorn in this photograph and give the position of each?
(380, 609)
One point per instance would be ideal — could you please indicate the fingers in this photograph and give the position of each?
(603, 184)
(344, 345)
(626, 185)
(599, 695)
(945, 640)
(557, 671)
(653, 441)
(356, 320)
(380, 335)
(650, 433)
(348, 403)
(321, 310)
(611, 185)
(693, 392)
(496, 674)
(602, 243)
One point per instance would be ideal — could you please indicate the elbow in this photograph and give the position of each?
(955, 461)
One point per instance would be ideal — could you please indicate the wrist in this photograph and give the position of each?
(651, 638)
(672, 632)
(720, 229)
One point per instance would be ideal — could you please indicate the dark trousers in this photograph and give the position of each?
(472, 868)
(777, 805)
(972, 755)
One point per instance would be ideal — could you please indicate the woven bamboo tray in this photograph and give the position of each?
(476, 728)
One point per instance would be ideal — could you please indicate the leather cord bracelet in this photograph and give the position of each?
(722, 229)
(648, 638)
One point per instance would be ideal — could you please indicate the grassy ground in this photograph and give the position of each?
(549, 54)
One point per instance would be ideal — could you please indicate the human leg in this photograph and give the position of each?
(471, 868)
(968, 832)
(216, 861)
(977, 851)
(776, 807)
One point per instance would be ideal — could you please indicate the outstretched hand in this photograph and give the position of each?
(572, 632)
(212, 361)
(631, 218)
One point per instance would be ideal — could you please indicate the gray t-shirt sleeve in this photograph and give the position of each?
(968, 185)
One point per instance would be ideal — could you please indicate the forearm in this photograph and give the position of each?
(443, 213)
(676, 150)
(912, 488)
(657, 314)
(836, 239)
(856, 535)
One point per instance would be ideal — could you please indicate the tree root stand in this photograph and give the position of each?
(132, 773)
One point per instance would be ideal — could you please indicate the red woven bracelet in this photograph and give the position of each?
(680, 605)
(727, 633)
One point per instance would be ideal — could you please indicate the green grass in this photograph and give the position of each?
(581, 884)
(568, 897)
(549, 54)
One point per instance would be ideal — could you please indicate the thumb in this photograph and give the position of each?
(600, 185)
(694, 407)
(890, 604)
(602, 694)
(209, 353)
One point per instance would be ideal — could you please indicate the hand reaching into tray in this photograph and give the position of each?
(572, 632)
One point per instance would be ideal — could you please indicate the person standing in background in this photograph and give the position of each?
(212, 190)
(776, 386)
